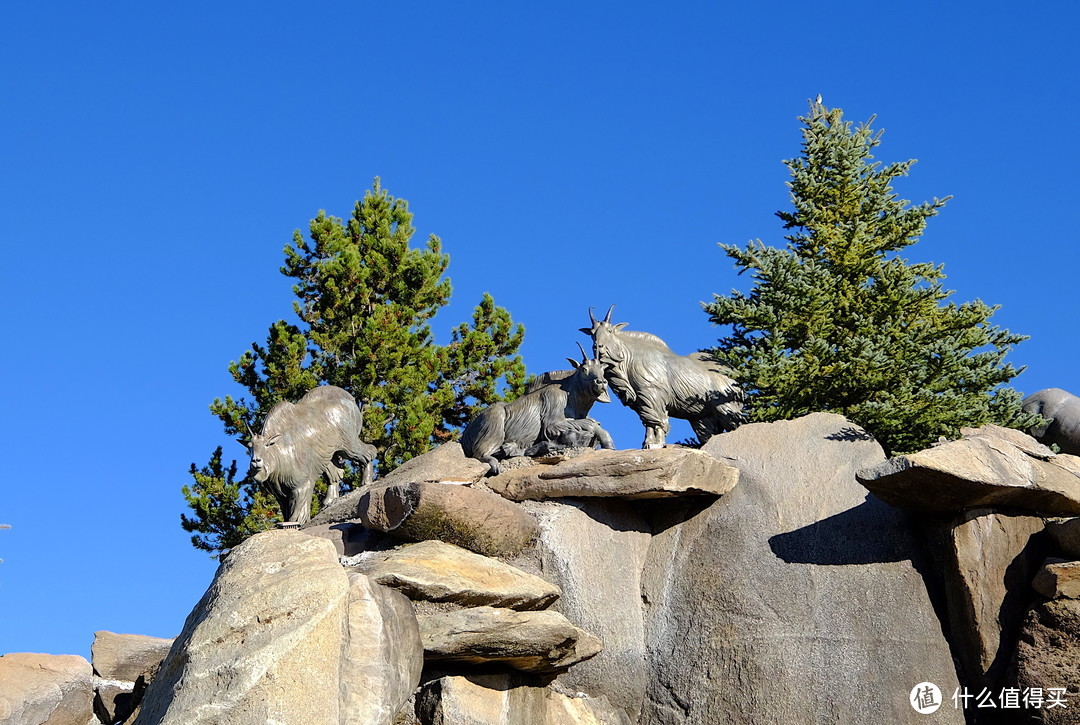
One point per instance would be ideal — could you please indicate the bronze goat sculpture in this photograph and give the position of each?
(300, 441)
(552, 414)
(656, 383)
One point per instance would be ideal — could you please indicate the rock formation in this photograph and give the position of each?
(799, 597)
(753, 581)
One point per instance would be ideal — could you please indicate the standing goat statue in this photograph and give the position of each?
(553, 413)
(656, 383)
(301, 441)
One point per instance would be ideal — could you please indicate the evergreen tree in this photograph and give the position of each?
(364, 300)
(838, 322)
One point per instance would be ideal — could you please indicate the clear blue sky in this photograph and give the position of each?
(157, 158)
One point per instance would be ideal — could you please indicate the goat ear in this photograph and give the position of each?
(621, 325)
(573, 363)
(586, 330)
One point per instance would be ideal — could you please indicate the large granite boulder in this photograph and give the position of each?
(595, 550)
(284, 634)
(498, 700)
(382, 657)
(796, 597)
(38, 689)
(120, 661)
(988, 467)
(990, 559)
(440, 572)
(654, 473)
(1061, 409)
(126, 656)
(541, 641)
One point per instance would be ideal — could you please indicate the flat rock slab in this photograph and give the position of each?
(634, 474)
(126, 656)
(1057, 579)
(989, 466)
(447, 462)
(39, 689)
(467, 517)
(527, 641)
(441, 572)
(497, 700)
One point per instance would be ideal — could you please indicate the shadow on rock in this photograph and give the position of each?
(860, 535)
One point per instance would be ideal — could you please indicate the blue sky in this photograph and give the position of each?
(157, 159)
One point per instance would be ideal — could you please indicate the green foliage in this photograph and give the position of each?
(838, 322)
(364, 300)
(226, 510)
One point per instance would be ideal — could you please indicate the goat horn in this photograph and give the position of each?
(592, 316)
(584, 357)
(608, 318)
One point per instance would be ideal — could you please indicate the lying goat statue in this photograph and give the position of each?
(552, 414)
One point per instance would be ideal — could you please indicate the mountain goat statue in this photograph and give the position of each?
(303, 440)
(553, 413)
(657, 384)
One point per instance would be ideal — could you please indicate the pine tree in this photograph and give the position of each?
(364, 300)
(839, 322)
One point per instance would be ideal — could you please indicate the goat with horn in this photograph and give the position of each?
(552, 414)
(301, 441)
(659, 384)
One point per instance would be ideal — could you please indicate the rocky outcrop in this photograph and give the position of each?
(1047, 656)
(350, 537)
(595, 550)
(39, 689)
(1058, 579)
(468, 517)
(381, 660)
(990, 560)
(528, 641)
(126, 656)
(655, 473)
(498, 700)
(283, 634)
(440, 572)
(123, 664)
(1066, 535)
(987, 467)
(791, 589)
(644, 587)
(441, 464)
